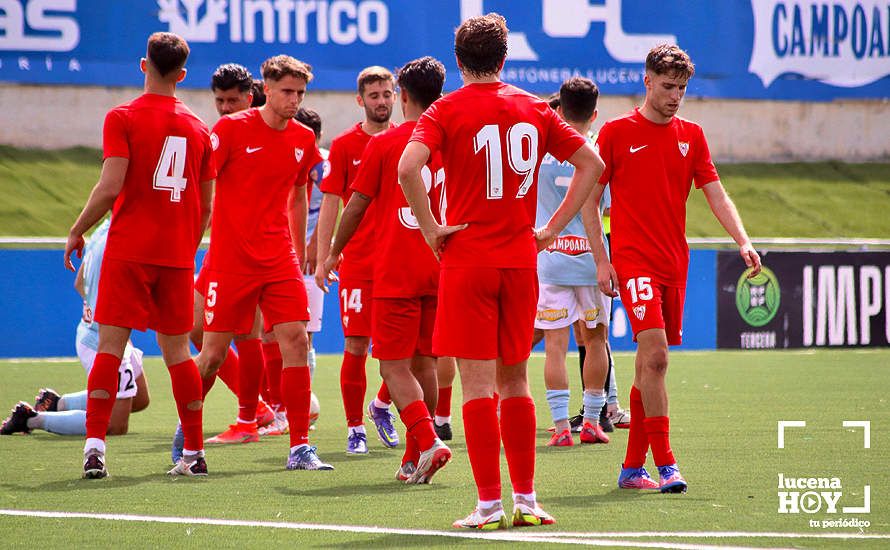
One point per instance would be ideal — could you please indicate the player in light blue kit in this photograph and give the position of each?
(66, 414)
(568, 289)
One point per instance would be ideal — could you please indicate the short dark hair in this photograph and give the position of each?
(480, 44)
(670, 59)
(370, 75)
(553, 100)
(311, 119)
(577, 99)
(166, 52)
(231, 75)
(259, 94)
(423, 80)
(276, 68)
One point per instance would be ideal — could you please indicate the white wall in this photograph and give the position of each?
(54, 117)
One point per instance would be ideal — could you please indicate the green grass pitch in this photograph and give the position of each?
(724, 412)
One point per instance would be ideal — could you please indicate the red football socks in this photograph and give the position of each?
(412, 453)
(518, 425)
(417, 419)
(443, 406)
(383, 394)
(658, 432)
(483, 436)
(206, 384)
(637, 441)
(250, 366)
(186, 382)
(103, 376)
(228, 371)
(353, 386)
(272, 356)
(296, 395)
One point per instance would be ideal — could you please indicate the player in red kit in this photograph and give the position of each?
(492, 138)
(376, 93)
(406, 273)
(157, 178)
(652, 159)
(262, 156)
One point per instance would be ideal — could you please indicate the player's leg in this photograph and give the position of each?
(250, 370)
(185, 380)
(595, 376)
(578, 420)
(518, 302)
(130, 370)
(446, 370)
(272, 362)
(556, 342)
(618, 417)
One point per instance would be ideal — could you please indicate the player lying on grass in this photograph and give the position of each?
(406, 272)
(66, 414)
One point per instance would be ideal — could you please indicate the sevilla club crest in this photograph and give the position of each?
(684, 147)
(298, 153)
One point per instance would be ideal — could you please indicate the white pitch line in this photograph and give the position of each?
(719, 534)
(526, 536)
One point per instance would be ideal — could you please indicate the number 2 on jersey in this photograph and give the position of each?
(522, 161)
(171, 167)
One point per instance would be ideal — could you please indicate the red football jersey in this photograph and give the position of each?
(156, 218)
(492, 138)
(404, 265)
(344, 159)
(258, 167)
(650, 169)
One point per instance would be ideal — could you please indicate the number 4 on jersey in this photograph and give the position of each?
(171, 167)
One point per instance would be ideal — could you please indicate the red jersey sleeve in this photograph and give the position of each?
(704, 171)
(429, 130)
(208, 164)
(335, 181)
(114, 136)
(220, 143)
(367, 181)
(562, 140)
(604, 148)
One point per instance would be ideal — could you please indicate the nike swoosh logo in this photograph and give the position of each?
(635, 149)
(356, 162)
(253, 149)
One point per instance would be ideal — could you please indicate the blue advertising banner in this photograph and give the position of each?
(39, 309)
(767, 49)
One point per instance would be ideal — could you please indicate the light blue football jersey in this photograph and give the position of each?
(568, 261)
(87, 330)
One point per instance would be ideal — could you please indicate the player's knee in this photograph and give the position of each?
(212, 358)
(100, 394)
(656, 362)
(357, 345)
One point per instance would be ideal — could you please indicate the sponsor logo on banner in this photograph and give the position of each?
(758, 298)
(340, 22)
(570, 245)
(57, 33)
(842, 43)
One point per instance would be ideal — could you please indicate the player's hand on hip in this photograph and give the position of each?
(437, 236)
(543, 238)
(751, 257)
(75, 243)
(607, 279)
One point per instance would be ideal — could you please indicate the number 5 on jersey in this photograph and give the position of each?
(171, 167)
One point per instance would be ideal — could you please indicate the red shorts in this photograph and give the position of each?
(486, 313)
(403, 327)
(356, 305)
(231, 300)
(201, 281)
(650, 304)
(141, 296)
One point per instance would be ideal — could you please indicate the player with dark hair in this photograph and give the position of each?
(259, 95)
(405, 273)
(652, 159)
(568, 291)
(492, 138)
(376, 94)
(232, 88)
(158, 177)
(263, 155)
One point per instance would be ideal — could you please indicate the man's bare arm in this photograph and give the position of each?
(101, 199)
(725, 212)
(327, 217)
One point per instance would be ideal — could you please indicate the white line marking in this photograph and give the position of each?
(788, 424)
(866, 430)
(720, 534)
(587, 539)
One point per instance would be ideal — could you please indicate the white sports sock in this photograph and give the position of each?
(357, 429)
(529, 499)
(488, 504)
(296, 448)
(380, 404)
(442, 420)
(94, 443)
